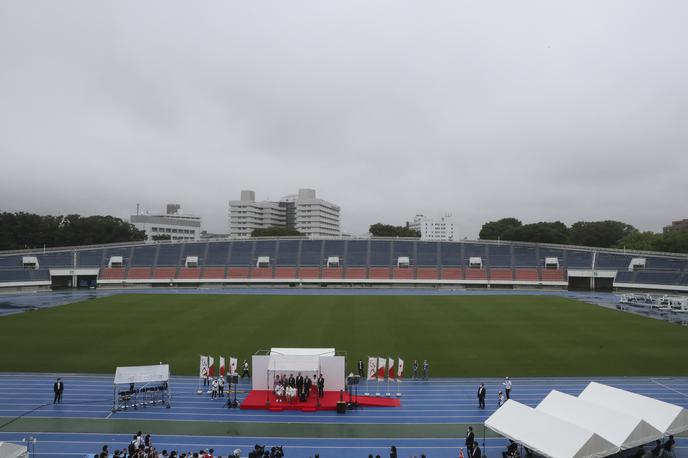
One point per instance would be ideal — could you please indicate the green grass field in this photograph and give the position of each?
(459, 335)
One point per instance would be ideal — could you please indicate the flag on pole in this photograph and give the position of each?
(222, 366)
(390, 368)
(203, 373)
(381, 366)
(232, 365)
(460, 452)
(211, 366)
(372, 367)
(400, 369)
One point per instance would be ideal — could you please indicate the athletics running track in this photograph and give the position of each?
(441, 402)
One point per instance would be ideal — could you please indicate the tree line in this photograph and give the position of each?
(27, 230)
(602, 234)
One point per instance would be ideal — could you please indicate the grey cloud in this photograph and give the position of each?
(539, 110)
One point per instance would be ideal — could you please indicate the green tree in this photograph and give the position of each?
(27, 230)
(675, 241)
(645, 241)
(275, 231)
(604, 234)
(542, 232)
(387, 230)
(494, 230)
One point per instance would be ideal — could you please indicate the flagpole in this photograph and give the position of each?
(367, 393)
(388, 373)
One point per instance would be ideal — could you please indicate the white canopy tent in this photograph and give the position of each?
(9, 450)
(308, 361)
(547, 435)
(667, 418)
(145, 385)
(622, 430)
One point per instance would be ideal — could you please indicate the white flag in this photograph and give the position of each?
(381, 366)
(372, 367)
(204, 367)
(222, 366)
(390, 368)
(232, 365)
(400, 370)
(211, 366)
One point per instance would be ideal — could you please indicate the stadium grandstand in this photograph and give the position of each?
(344, 262)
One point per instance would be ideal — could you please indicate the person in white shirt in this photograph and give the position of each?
(507, 387)
(216, 386)
(221, 387)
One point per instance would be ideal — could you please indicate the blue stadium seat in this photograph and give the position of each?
(265, 248)
(612, 261)
(380, 253)
(311, 252)
(143, 256)
(578, 259)
(336, 248)
(218, 253)
(356, 253)
(241, 254)
(169, 255)
(62, 259)
(499, 256)
(474, 250)
(658, 278)
(426, 254)
(624, 276)
(450, 254)
(91, 258)
(403, 248)
(287, 253)
(525, 256)
(10, 262)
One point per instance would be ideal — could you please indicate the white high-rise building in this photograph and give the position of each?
(304, 212)
(441, 228)
(173, 224)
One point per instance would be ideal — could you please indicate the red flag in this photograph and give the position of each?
(222, 366)
(211, 364)
(381, 367)
(400, 369)
(390, 368)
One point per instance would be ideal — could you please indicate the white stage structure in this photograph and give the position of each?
(666, 417)
(547, 435)
(624, 431)
(308, 361)
(141, 386)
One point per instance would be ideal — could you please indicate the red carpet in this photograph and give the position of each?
(256, 400)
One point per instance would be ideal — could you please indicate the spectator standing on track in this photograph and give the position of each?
(500, 399)
(669, 447)
(470, 438)
(58, 388)
(216, 387)
(507, 388)
(221, 387)
(245, 370)
(426, 369)
(415, 369)
(475, 452)
(481, 396)
(393, 452)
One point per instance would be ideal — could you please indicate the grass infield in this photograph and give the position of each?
(461, 336)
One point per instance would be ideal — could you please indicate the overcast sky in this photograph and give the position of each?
(541, 110)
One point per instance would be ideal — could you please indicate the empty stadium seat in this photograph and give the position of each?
(402, 274)
(164, 273)
(524, 274)
(310, 272)
(552, 275)
(499, 256)
(143, 256)
(355, 273)
(475, 274)
(238, 272)
(189, 273)
(451, 273)
(213, 272)
(501, 274)
(169, 255)
(261, 272)
(427, 273)
(333, 273)
(311, 252)
(287, 253)
(285, 272)
(112, 273)
(139, 273)
(218, 253)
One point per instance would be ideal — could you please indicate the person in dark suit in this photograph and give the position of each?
(292, 381)
(475, 453)
(307, 385)
(360, 368)
(321, 386)
(58, 389)
(299, 386)
(470, 438)
(481, 396)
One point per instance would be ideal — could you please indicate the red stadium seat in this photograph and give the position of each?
(381, 273)
(526, 274)
(452, 273)
(261, 272)
(476, 274)
(285, 272)
(237, 272)
(427, 273)
(552, 275)
(501, 274)
(139, 273)
(405, 274)
(213, 272)
(356, 273)
(164, 273)
(189, 273)
(112, 273)
(331, 273)
(310, 272)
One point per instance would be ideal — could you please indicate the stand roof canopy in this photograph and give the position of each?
(302, 351)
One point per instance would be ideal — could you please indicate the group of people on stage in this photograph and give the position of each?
(288, 389)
